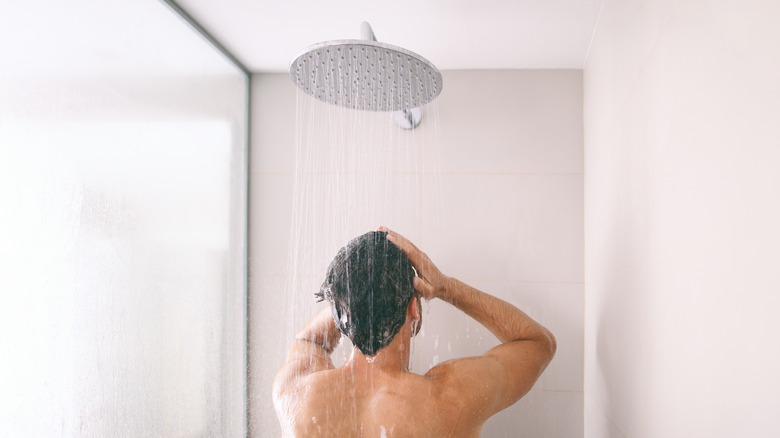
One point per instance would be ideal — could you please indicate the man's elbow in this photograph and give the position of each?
(280, 385)
(550, 343)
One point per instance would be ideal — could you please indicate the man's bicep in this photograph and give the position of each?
(522, 361)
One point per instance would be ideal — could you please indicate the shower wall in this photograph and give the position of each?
(681, 214)
(508, 201)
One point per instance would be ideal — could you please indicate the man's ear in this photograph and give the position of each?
(413, 308)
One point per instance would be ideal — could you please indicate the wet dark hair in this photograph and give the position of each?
(368, 285)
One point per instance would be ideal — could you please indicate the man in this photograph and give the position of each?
(374, 299)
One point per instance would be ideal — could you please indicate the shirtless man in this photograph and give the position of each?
(374, 300)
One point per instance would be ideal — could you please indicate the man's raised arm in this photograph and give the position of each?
(496, 380)
(310, 350)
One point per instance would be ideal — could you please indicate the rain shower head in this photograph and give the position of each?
(366, 74)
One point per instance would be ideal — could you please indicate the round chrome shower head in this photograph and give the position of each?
(366, 75)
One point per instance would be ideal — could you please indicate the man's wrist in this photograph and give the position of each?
(447, 286)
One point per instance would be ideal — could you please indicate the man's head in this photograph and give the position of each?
(369, 285)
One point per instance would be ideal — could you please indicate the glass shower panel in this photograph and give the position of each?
(122, 224)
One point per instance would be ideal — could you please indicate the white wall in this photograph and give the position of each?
(681, 219)
(500, 208)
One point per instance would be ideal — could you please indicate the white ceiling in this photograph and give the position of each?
(453, 34)
(91, 38)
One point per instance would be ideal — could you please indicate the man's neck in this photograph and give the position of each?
(392, 358)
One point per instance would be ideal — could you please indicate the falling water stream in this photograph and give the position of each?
(354, 171)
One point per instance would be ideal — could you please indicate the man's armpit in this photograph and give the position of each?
(308, 356)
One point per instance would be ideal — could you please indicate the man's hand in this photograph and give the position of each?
(430, 282)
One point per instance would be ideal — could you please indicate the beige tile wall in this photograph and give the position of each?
(681, 212)
(502, 209)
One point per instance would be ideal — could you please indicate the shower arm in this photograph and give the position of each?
(366, 33)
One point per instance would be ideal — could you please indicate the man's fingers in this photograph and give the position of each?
(423, 286)
(420, 261)
(403, 243)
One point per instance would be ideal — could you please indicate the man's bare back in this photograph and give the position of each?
(377, 396)
(388, 405)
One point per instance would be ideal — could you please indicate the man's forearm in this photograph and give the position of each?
(321, 330)
(505, 321)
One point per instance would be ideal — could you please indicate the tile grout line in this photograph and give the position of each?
(313, 277)
(259, 172)
(566, 391)
(585, 234)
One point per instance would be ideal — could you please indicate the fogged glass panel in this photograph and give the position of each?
(122, 224)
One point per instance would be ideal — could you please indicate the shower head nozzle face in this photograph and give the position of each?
(366, 75)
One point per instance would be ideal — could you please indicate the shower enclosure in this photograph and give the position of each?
(123, 223)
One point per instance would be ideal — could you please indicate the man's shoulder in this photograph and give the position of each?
(316, 378)
(292, 387)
